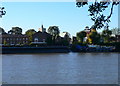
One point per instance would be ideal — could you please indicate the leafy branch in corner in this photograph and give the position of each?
(2, 12)
(96, 10)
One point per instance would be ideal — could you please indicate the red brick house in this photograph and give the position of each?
(9, 39)
(40, 37)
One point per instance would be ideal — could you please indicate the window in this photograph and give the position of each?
(43, 40)
(36, 40)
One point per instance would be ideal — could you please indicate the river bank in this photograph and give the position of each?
(47, 49)
(56, 49)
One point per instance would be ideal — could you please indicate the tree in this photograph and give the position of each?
(106, 34)
(96, 10)
(2, 12)
(4, 42)
(2, 31)
(15, 30)
(49, 40)
(94, 37)
(66, 39)
(80, 36)
(30, 32)
(116, 31)
(54, 31)
(67, 35)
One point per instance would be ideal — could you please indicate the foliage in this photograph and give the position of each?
(67, 35)
(15, 30)
(116, 31)
(2, 31)
(96, 10)
(2, 11)
(113, 39)
(66, 39)
(65, 42)
(30, 32)
(117, 45)
(107, 32)
(49, 40)
(4, 42)
(106, 35)
(54, 31)
(80, 36)
(95, 37)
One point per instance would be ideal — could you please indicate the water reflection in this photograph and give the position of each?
(71, 68)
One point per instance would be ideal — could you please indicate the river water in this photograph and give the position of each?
(60, 68)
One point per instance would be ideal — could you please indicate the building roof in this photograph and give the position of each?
(42, 33)
(15, 35)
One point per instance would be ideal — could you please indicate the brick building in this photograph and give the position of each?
(40, 37)
(9, 39)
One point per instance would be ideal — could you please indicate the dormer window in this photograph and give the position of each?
(36, 40)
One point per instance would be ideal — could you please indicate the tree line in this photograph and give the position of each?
(54, 31)
(94, 37)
